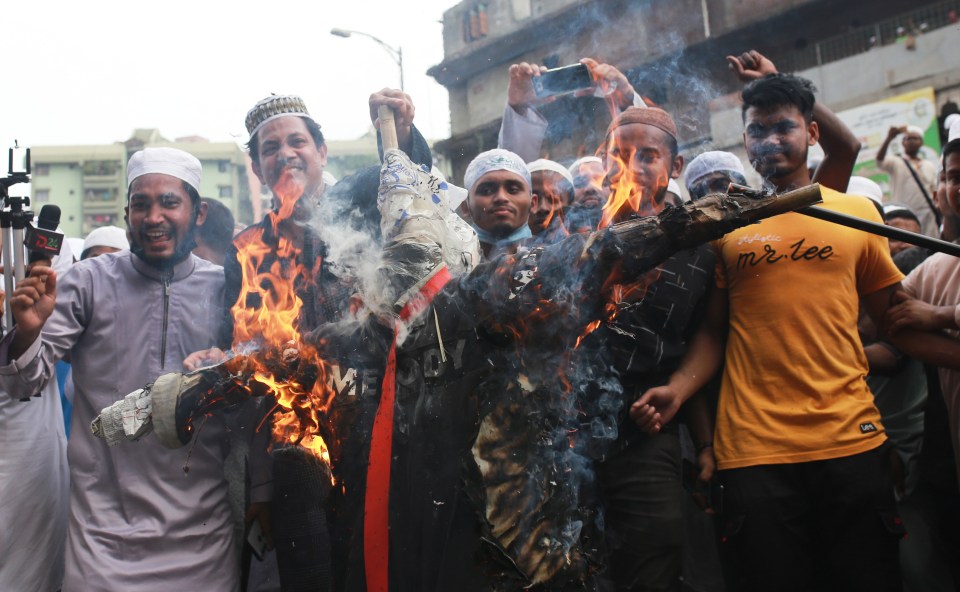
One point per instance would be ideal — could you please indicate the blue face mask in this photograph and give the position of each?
(515, 236)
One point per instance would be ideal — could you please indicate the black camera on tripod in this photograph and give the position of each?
(41, 240)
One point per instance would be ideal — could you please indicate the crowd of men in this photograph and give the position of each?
(788, 397)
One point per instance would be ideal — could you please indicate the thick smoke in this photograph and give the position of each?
(656, 58)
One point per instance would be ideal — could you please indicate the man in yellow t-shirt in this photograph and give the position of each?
(808, 499)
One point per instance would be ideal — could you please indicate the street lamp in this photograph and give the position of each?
(395, 53)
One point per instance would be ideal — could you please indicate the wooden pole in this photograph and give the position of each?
(388, 128)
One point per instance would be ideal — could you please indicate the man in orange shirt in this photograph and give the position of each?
(808, 492)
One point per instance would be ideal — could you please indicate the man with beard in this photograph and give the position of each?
(912, 178)
(589, 194)
(799, 441)
(141, 517)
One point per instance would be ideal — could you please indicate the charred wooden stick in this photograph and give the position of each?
(388, 128)
(644, 242)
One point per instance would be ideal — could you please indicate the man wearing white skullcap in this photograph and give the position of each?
(589, 194)
(499, 198)
(867, 188)
(673, 188)
(588, 189)
(952, 125)
(712, 172)
(912, 177)
(552, 186)
(137, 520)
(103, 240)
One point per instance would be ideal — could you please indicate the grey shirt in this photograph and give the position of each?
(137, 520)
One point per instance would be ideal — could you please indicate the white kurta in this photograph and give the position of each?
(137, 520)
(34, 483)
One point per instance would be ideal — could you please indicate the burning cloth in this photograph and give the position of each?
(458, 438)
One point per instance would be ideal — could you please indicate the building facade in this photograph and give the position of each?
(673, 52)
(89, 183)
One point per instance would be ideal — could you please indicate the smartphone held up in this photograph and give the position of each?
(562, 81)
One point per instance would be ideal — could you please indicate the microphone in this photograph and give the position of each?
(43, 241)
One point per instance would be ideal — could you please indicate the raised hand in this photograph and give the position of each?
(751, 65)
(520, 93)
(403, 112)
(32, 304)
(611, 81)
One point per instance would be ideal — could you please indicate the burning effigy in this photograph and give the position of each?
(454, 439)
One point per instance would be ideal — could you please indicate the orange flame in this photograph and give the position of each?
(591, 327)
(631, 188)
(283, 357)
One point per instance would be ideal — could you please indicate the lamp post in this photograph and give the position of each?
(395, 53)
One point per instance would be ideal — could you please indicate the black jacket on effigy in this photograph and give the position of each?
(441, 537)
(325, 298)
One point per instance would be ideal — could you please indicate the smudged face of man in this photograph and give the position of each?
(777, 139)
(162, 219)
(500, 202)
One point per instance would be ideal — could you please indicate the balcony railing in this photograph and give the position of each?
(863, 39)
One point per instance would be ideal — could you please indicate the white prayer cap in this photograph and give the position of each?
(497, 159)
(896, 210)
(865, 187)
(106, 236)
(575, 167)
(455, 194)
(674, 188)
(912, 129)
(548, 165)
(168, 161)
(953, 133)
(76, 246)
(714, 161)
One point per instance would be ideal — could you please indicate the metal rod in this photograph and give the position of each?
(19, 269)
(7, 273)
(920, 240)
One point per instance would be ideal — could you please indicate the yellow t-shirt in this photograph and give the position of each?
(794, 387)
